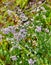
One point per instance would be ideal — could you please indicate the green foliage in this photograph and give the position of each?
(37, 43)
(22, 3)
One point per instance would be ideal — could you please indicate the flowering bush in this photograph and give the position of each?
(25, 35)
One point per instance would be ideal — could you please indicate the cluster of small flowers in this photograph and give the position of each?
(31, 61)
(9, 12)
(21, 34)
(47, 30)
(37, 9)
(22, 16)
(17, 35)
(14, 58)
(7, 30)
(38, 29)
